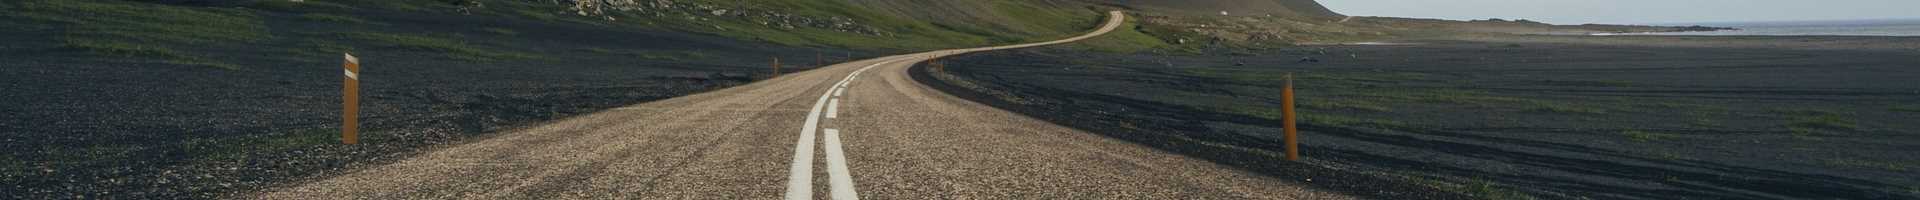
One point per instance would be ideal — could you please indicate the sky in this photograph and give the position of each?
(1633, 11)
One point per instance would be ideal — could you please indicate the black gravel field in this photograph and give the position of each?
(77, 124)
(1433, 119)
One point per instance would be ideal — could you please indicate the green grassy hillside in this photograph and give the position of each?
(1001, 20)
(1307, 8)
(191, 32)
(904, 25)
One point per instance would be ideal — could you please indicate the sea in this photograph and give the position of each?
(1882, 27)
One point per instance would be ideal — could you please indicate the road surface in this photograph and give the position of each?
(861, 129)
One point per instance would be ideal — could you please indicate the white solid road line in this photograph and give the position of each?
(833, 108)
(838, 92)
(800, 176)
(840, 179)
(800, 172)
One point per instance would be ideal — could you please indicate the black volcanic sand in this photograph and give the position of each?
(1499, 121)
(82, 125)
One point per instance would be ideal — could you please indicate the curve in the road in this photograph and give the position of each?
(893, 137)
(800, 180)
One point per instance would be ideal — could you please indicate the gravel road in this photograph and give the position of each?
(884, 137)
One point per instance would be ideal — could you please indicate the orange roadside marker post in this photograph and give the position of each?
(1286, 109)
(350, 126)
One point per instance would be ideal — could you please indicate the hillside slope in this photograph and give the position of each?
(1232, 7)
(998, 18)
(861, 24)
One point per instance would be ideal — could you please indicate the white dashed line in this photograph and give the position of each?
(800, 179)
(833, 108)
(840, 180)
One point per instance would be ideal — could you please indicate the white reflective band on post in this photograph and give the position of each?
(352, 61)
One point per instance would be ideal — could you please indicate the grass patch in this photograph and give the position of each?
(649, 55)
(536, 15)
(1834, 122)
(500, 31)
(1344, 105)
(130, 50)
(1906, 108)
(1665, 155)
(672, 55)
(1660, 106)
(1318, 119)
(1564, 109)
(1446, 96)
(1126, 39)
(1343, 121)
(1589, 83)
(1803, 132)
(321, 48)
(1037, 19)
(1805, 123)
(1643, 136)
(141, 30)
(1697, 115)
(1824, 121)
(117, 48)
(1867, 164)
(305, 6)
(599, 50)
(450, 48)
(198, 62)
(146, 22)
(1023, 21)
(1801, 112)
(1705, 123)
(1175, 34)
(330, 18)
(413, 6)
(1344, 81)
